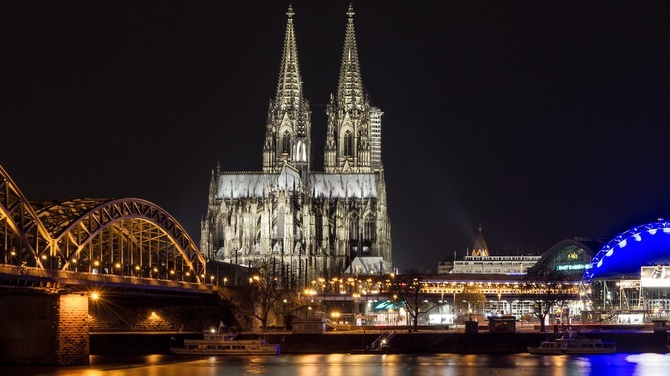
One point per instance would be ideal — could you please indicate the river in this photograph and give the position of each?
(369, 365)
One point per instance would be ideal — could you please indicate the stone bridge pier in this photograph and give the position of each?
(44, 328)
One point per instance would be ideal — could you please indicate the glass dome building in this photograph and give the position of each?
(629, 277)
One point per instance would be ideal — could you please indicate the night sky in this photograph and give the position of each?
(540, 120)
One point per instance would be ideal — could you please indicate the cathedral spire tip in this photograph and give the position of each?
(290, 13)
(350, 12)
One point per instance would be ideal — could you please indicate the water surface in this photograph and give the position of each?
(369, 365)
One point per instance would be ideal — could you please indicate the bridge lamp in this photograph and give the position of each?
(44, 257)
(225, 280)
(96, 263)
(117, 265)
(95, 296)
(137, 267)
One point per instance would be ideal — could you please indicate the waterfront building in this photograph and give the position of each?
(480, 261)
(289, 220)
(499, 280)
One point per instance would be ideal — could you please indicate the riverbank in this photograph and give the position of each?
(421, 342)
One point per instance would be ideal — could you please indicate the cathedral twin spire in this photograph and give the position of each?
(353, 135)
(287, 137)
(289, 87)
(350, 85)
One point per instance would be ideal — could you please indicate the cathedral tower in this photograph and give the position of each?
(353, 136)
(287, 133)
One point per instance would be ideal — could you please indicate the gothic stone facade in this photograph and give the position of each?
(296, 223)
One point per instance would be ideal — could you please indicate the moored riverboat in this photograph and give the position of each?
(571, 342)
(225, 343)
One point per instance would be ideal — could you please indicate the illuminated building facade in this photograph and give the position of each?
(481, 262)
(296, 223)
(500, 279)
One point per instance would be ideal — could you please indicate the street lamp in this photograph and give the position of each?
(499, 305)
(356, 296)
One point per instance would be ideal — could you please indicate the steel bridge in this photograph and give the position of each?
(127, 243)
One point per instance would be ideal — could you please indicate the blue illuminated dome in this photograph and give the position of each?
(645, 245)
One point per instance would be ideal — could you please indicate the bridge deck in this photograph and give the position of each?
(63, 279)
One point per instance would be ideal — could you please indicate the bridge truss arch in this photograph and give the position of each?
(24, 237)
(126, 237)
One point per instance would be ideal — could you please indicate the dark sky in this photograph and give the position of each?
(540, 120)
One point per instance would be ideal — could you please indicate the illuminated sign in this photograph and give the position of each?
(655, 276)
(573, 267)
(629, 284)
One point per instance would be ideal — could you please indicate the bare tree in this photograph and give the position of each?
(470, 297)
(545, 289)
(408, 290)
(267, 292)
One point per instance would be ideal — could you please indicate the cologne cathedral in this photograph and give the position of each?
(293, 222)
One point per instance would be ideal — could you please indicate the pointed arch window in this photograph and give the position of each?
(219, 236)
(286, 143)
(348, 144)
(353, 228)
(281, 218)
(368, 235)
(301, 151)
(318, 225)
(369, 230)
(353, 236)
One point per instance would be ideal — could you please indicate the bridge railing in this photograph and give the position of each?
(66, 277)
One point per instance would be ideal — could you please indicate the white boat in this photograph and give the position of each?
(225, 344)
(570, 342)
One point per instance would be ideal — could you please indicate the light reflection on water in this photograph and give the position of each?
(370, 365)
